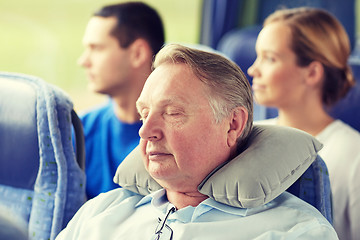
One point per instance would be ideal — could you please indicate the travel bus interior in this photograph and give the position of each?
(51, 186)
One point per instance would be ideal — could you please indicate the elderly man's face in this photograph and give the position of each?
(180, 141)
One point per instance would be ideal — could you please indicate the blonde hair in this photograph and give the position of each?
(319, 36)
(228, 85)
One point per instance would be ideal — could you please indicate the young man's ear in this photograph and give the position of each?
(315, 73)
(140, 52)
(237, 123)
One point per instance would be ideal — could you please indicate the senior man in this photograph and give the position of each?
(196, 109)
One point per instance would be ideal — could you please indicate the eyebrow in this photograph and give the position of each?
(166, 102)
(267, 51)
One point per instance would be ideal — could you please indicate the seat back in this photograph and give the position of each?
(42, 180)
(343, 10)
(314, 188)
(348, 108)
(219, 16)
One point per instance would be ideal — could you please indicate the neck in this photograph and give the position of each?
(183, 199)
(125, 100)
(125, 110)
(309, 119)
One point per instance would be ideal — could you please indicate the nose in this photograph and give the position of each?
(151, 130)
(84, 60)
(252, 70)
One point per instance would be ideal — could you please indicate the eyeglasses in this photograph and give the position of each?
(163, 231)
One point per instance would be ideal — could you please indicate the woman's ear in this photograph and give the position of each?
(140, 52)
(315, 73)
(237, 123)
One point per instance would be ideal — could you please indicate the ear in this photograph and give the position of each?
(237, 123)
(140, 53)
(315, 73)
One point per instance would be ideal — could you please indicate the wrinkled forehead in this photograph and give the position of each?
(171, 82)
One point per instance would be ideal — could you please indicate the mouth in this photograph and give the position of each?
(257, 87)
(90, 76)
(157, 156)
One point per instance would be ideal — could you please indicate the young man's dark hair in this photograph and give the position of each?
(135, 20)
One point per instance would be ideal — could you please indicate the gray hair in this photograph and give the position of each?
(228, 85)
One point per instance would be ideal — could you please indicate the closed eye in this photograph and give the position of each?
(143, 114)
(173, 111)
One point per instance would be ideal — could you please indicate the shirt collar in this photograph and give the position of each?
(225, 208)
(188, 214)
(157, 199)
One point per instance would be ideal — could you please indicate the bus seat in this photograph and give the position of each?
(42, 179)
(239, 46)
(342, 10)
(314, 188)
(219, 16)
(348, 108)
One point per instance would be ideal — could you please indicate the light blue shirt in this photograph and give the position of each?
(121, 214)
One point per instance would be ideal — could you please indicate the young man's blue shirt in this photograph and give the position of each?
(107, 142)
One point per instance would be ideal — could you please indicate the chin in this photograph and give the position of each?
(174, 185)
(92, 87)
(163, 177)
(158, 174)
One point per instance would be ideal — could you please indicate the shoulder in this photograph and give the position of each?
(347, 129)
(105, 201)
(97, 116)
(339, 128)
(96, 111)
(340, 133)
(97, 214)
(285, 217)
(299, 217)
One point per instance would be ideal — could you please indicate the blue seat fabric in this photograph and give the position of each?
(41, 180)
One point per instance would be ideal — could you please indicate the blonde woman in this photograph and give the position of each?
(301, 69)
